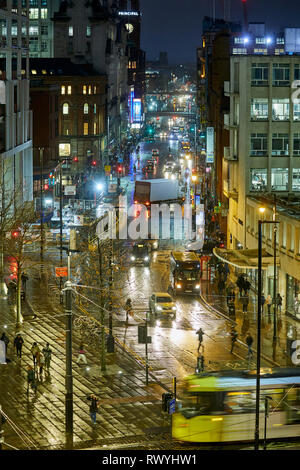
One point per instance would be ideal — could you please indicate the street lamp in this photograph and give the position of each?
(259, 294)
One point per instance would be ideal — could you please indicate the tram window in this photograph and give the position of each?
(205, 402)
(276, 403)
(240, 402)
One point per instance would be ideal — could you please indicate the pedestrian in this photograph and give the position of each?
(18, 343)
(247, 286)
(81, 354)
(245, 302)
(94, 405)
(262, 302)
(200, 334)
(279, 302)
(200, 362)
(269, 302)
(249, 342)
(234, 336)
(128, 308)
(35, 350)
(31, 379)
(5, 339)
(240, 283)
(40, 362)
(47, 355)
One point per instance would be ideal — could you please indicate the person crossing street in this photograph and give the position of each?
(200, 334)
(234, 336)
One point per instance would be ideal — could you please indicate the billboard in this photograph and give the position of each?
(137, 110)
(210, 145)
(292, 40)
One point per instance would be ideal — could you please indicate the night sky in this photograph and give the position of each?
(175, 26)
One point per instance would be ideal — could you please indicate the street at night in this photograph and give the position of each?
(149, 230)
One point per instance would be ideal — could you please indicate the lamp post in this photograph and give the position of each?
(259, 294)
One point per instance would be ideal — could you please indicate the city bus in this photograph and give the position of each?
(220, 406)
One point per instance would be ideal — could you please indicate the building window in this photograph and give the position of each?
(85, 108)
(33, 13)
(239, 50)
(281, 109)
(85, 128)
(64, 150)
(238, 40)
(33, 45)
(280, 179)
(280, 41)
(44, 13)
(279, 51)
(281, 74)
(296, 144)
(70, 31)
(44, 29)
(95, 128)
(259, 144)
(259, 108)
(260, 40)
(44, 46)
(63, 90)
(84, 89)
(69, 90)
(296, 110)
(95, 108)
(90, 89)
(259, 74)
(33, 30)
(258, 179)
(297, 72)
(95, 89)
(280, 144)
(260, 51)
(296, 179)
(65, 108)
(88, 31)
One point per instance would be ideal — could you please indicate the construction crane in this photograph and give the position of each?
(245, 15)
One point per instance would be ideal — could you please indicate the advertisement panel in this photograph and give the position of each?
(210, 145)
(137, 110)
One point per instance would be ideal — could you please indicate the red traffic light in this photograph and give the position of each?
(94, 163)
(15, 233)
(75, 159)
(119, 169)
(46, 186)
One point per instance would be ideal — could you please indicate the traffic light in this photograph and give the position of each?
(94, 163)
(46, 187)
(75, 159)
(120, 169)
(15, 233)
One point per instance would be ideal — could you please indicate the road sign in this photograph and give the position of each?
(171, 406)
(107, 169)
(61, 272)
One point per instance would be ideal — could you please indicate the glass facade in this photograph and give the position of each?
(293, 296)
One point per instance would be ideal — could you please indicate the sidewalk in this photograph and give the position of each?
(129, 410)
(275, 353)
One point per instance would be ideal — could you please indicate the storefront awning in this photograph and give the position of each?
(244, 259)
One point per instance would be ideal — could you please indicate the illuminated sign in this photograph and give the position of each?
(137, 110)
(210, 144)
(131, 98)
(129, 13)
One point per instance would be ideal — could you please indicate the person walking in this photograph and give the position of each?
(5, 339)
(269, 302)
(249, 342)
(200, 334)
(40, 362)
(245, 302)
(240, 283)
(279, 302)
(47, 355)
(234, 336)
(18, 344)
(128, 308)
(94, 405)
(35, 350)
(31, 379)
(81, 354)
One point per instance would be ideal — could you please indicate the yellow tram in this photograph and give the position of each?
(220, 406)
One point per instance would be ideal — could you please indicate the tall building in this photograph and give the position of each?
(15, 115)
(41, 27)
(92, 32)
(261, 164)
(129, 12)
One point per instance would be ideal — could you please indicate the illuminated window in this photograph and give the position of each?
(95, 90)
(95, 128)
(280, 179)
(259, 108)
(90, 89)
(84, 89)
(63, 90)
(33, 13)
(70, 31)
(44, 13)
(64, 150)
(69, 90)
(95, 108)
(88, 31)
(65, 108)
(85, 128)
(33, 72)
(296, 179)
(281, 109)
(258, 179)
(86, 108)
(133, 65)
